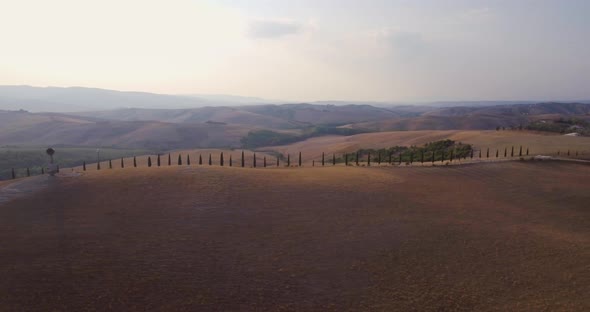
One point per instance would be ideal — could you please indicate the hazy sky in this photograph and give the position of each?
(405, 50)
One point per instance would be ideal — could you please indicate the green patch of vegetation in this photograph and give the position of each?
(414, 153)
(561, 125)
(260, 138)
(20, 158)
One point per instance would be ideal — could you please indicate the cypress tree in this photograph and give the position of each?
(390, 160)
(345, 159)
(210, 160)
(433, 155)
(158, 161)
(149, 161)
(42, 170)
(520, 152)
(497, 153)
(221, 160)
(13, 174)
(200, 159)
(243, 162)
(110, 164)
(254, 161)
(527, 152)
(230, 161)
(333, 159)
(357, 158)
(505, 152)
(400, 159)
(278, 162)
(98, 165)
(488, 153)
(188, 159)
(512, 152)
(379, 158)
(472, 153)
(179, 160)
(84, 166)
(422, 157)
(411, 158)
(28, 172)
(264, 162)
(123, 164)
(557, 152)
(299, 160)
(323, 159)
(134, 162)
(568, 152)
(313, 163)
(451, 158)
(288, 160)
(169, 160)
(442, 154)
(369, 159)
(479, 153)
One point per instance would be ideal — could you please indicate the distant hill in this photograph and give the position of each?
(23, 128)
(78, 99)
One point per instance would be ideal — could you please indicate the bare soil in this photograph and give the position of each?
(509, 236)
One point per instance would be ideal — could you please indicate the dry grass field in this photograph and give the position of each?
(538, 143)
(509, 236)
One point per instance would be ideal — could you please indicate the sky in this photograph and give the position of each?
(303, 50)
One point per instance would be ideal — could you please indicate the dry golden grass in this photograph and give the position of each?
(489, 237)
(538, 143)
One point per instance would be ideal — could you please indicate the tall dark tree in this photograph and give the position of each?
(13, 174)
(313, 163)
(527, 152)
(221, 160)
(84, 166)
(442, 156)
(323, 159)
(254, 161)
(345, 159)
(264, 162)
(357, 158)
(110, 164)
(488, 153)
(169, 160)
(512, 152)
(433, 156)
(451, 157)
(400, 159)
(479, 153)
(134, 162)
(122, 163)
(243, 160)
(369, 159)
(505, 152)
(188, 159)
(299, 160)
(179, 160)
(200, 159)
(28, 172)
(158, 161)
(98, 165)
(497, 153)
(422, 157)
(378, 158)
(520, 152)
(558, 153)
(568, 152)
(210, 160)
(42, 170)
(278, 162)
(411, 157)
(288, 160)
(390, 156)
(472, 153)
(149, 161)
(230, 161)
(333, 159)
